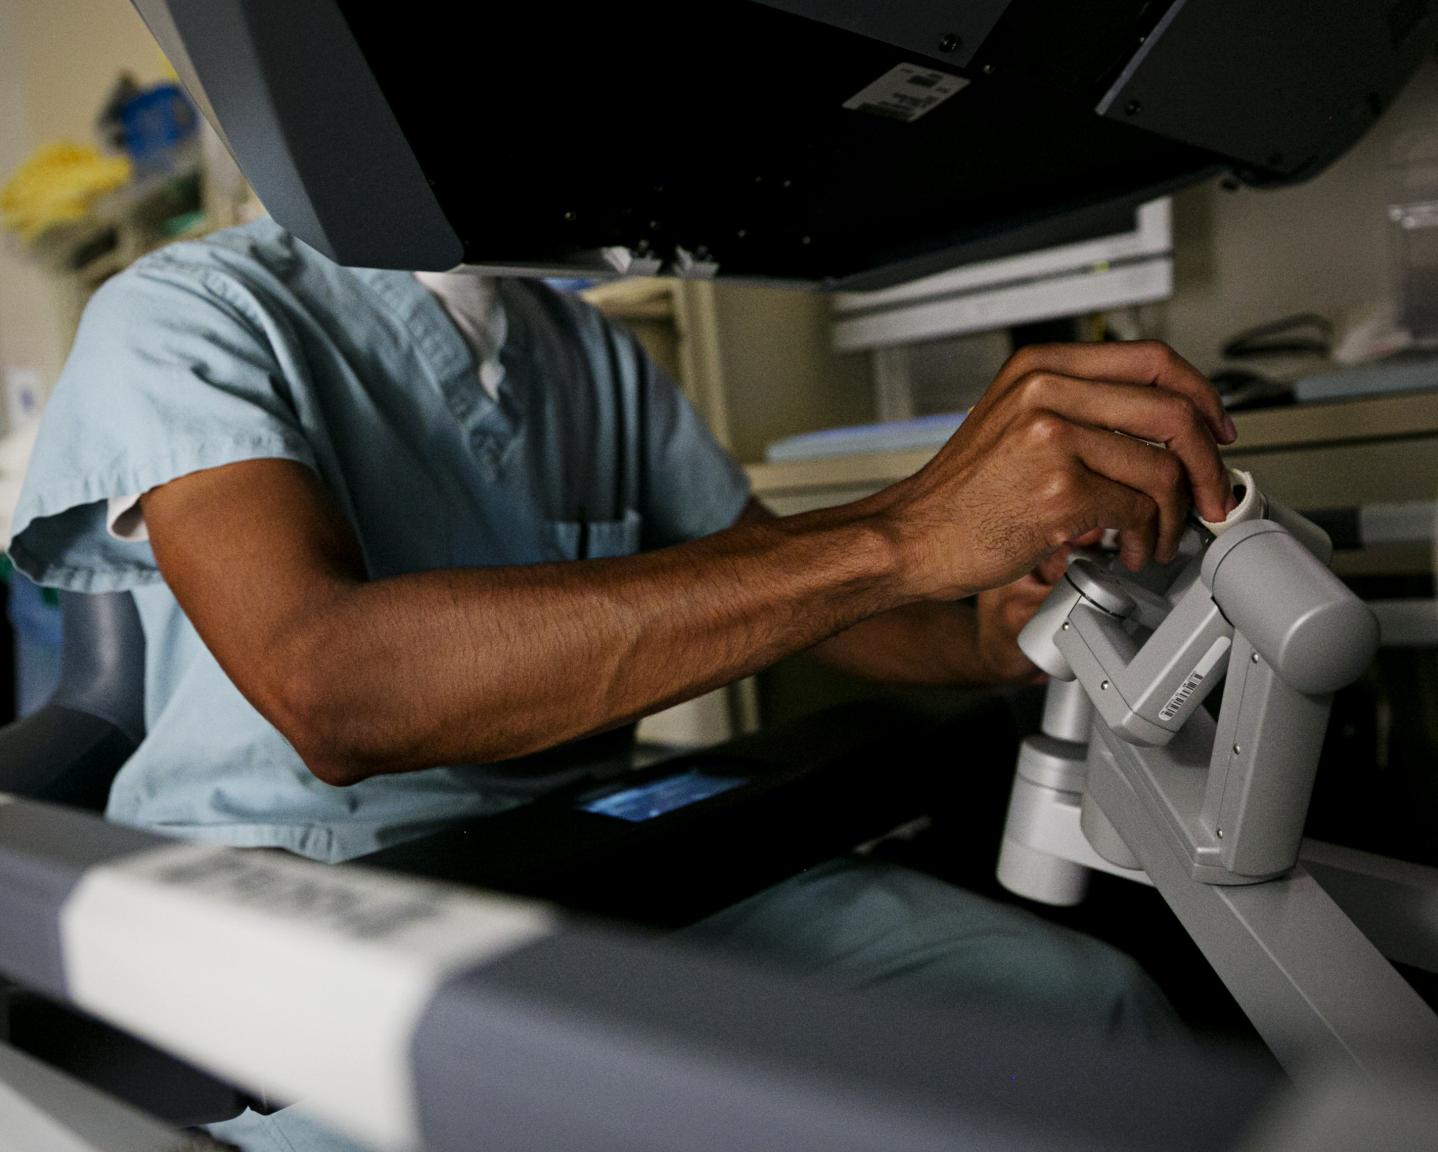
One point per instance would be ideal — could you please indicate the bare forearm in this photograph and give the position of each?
(485, 664)
(930, 643)
(935, 642)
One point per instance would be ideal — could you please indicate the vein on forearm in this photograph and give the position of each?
(494, 663)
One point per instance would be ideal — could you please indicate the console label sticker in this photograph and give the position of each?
(906, 92)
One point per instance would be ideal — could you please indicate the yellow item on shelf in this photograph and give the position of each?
(57, 185)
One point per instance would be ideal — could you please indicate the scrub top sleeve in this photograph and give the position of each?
(172, 372)
(692, 486)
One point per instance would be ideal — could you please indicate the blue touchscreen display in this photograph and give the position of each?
(657, 797)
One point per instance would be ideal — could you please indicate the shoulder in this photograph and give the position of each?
(256, 250)
(233, 276)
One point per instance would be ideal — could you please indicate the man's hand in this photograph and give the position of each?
(1001, 614)
(1037, 463)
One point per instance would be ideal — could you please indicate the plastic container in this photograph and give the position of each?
(155, 123)
(35, 616)
(1413, 214)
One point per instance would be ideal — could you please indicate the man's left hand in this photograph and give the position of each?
(1001, 615)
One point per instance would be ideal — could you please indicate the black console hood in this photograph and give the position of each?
(840, 143)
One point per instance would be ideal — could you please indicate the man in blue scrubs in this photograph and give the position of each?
(393, 537)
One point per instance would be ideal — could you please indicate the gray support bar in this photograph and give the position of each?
(591, 1040)
(1407, 623)
(44, 852)
(1394, 902)
(1313, 985)
(1411, 522)
(1068, 715)
(1340, 1114)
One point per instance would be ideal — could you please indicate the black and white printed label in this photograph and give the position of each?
(303, 980)
(906, 92)
(1201, 672)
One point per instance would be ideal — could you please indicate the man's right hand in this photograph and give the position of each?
(1038, 463)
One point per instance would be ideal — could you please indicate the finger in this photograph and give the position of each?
(1011, 605)
(1145, 413)
(1026, 594)
(1019, 613)
(1052, 566)
(1017, 597)
(1153, 471)
(1147, 363)
(1107, 503)
(1056, 563)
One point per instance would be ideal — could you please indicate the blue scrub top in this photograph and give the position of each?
(251, 345)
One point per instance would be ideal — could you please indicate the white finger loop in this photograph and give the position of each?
(1251, 504)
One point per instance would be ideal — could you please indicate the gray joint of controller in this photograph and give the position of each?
(1255, 608)
(1212, 811)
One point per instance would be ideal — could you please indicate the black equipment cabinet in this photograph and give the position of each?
(806, 791)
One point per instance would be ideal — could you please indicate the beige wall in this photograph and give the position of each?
(1247, 257)
(23, 291)
(781, 376)
(58, 59)
(74, 49)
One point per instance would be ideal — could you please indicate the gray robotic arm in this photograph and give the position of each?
(1254, 603)
(1132, 775)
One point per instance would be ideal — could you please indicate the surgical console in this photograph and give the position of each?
(839, 145)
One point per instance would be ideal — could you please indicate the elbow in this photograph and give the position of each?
(332, 768)
(345, 729)
(314, 712)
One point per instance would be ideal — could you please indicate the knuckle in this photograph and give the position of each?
(1035, 389)
(1160, 356)
(1020, 362)
(1056, 535)
(1059, 490)
(1028, 359)
(1043, 428)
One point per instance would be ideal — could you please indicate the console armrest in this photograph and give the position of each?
(63, 756)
